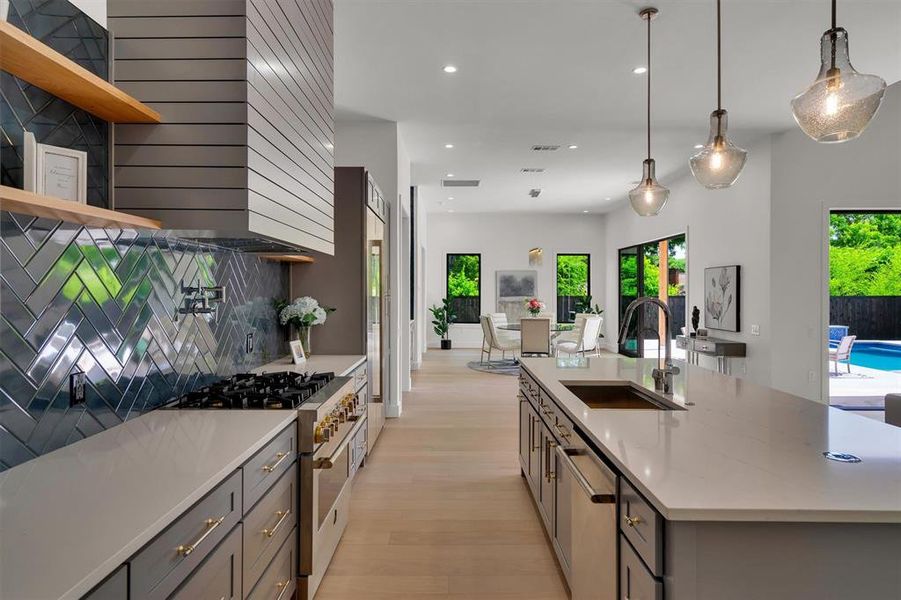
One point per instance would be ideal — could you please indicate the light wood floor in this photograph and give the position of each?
(440, 509)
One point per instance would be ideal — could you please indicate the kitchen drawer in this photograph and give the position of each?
(360, 446)
(635, 581)
(114, 588)
(279, 579)
(219, 576)
(359, 376)
(160, 567)
(642, 525)
(268, 525)
(265, 467)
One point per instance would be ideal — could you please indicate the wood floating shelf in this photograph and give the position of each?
(289, 258)
(33, 61)
(29, 203)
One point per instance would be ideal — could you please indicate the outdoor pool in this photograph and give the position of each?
(884, 356)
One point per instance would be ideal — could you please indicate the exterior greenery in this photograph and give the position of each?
(865, 254)
(629, 268)
(572, 274)
(463, 275)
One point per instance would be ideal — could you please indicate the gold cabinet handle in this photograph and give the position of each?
(632, 521)
(280, 456)
(211, 524)
(283, 587)
(282, 515)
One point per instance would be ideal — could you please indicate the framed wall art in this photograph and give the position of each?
(722, 298)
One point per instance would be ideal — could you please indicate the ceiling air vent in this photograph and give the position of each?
(460, 182)
(535, 192)
(531, 170)
(545, 148)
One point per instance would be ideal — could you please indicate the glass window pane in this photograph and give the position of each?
(464, 286)
(573, 285)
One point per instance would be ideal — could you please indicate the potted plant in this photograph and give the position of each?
(443, 316)
(302, 314)
(534, 306)
(583, 305)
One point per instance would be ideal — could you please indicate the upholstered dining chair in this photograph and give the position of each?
(535, 336)
(586, 336)
(495, 341)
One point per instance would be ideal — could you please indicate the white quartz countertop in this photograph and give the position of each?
(742, 452)
(69, 518)
(339, 364)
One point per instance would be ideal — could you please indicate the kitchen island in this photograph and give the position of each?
(736, 497)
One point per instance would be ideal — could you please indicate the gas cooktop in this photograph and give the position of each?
(256, 391)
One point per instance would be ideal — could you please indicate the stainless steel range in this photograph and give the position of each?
(331, 421)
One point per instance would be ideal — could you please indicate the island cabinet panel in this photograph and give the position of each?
(635, 581)
(114, 588)
(642, 526)
(219, 576)
(246, 91)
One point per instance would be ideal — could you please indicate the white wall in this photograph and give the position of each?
(808, 180)
(723, 227)
(96, 9)
(376, 145)
(504, 241)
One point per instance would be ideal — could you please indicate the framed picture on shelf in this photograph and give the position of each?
(54, 171)
(297, 352)
(722, 298)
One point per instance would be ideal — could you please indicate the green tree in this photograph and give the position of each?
(463, 276)
(865, 254)
(572, 275)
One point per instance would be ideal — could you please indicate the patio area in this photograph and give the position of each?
(865, 387)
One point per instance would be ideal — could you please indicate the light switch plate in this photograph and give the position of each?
(248, 343)
(755, 329)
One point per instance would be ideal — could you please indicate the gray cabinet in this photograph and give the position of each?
(267, 465)
(245, 90)
(163, 564)
(114, 588)
(219, 576)
(642, 526)
(268, 525)
(635, 580)
(278, 582)
(546, 483)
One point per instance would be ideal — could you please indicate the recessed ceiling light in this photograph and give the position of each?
(449, 175)
(573, 147)
(450, 210)
(450, 197)
(448, 146)
(584, 211)
(640, 70)
(607, 198)
(450, 69)
(698, 146)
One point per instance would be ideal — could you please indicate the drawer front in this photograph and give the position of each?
(635, 581)
(161, 566)
(114, 588)
(267, 465)
(219, 576)
(360, 446)
(268, 525)
(279, 579)
(359, 376)
(643, 526)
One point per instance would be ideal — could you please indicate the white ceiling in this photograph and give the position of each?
(560, 72)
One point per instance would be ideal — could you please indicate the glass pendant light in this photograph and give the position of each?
(648, 197)
(839, 105)
(719, 163)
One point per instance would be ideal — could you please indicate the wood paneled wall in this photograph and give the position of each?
(245, 88)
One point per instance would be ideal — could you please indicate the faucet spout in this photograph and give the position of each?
(663, 377)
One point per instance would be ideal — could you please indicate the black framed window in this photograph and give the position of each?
(573, 284)
(464, 286)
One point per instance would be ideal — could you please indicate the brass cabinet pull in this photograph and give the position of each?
(211, 524)
(533, 421)
(632, 521)
(551, 474)
(282, 515)
(280, 456)
(283, 586)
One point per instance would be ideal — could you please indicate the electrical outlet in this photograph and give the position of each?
(248, 343)
(811, 376)
(755, 329)
(76, 388)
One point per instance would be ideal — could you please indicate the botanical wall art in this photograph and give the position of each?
(722, 293)
(513, 289)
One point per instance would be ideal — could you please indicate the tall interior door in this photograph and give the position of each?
(657, 269)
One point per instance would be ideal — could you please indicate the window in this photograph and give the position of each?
(573, 285)
(464, 286)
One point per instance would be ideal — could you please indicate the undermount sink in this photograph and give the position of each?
(618, 396)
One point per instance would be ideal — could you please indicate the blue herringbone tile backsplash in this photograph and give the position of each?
(104, 302)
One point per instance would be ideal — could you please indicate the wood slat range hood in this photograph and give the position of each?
(244, 154)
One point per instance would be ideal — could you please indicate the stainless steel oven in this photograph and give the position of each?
(329, 453)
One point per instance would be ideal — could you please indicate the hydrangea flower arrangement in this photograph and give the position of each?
(304, 312)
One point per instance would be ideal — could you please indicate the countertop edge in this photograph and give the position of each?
(286, 361)
(92, 579)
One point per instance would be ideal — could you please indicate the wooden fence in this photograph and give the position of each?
(867, 317)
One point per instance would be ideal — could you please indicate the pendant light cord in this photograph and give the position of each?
(832, 33)
(719, 60)
(648, 17)
(833, 13)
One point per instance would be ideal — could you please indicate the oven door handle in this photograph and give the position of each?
(329, 461)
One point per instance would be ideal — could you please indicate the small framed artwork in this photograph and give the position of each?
(54, 171)
(297, 352)
(722, 298)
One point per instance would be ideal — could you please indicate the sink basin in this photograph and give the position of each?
(617, 395)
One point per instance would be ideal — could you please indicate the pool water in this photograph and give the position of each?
(877, 355)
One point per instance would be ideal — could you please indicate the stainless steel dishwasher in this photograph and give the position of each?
(591, 523)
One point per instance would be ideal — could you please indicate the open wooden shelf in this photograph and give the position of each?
(28, 203)
(30, 59)
(289, 258)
